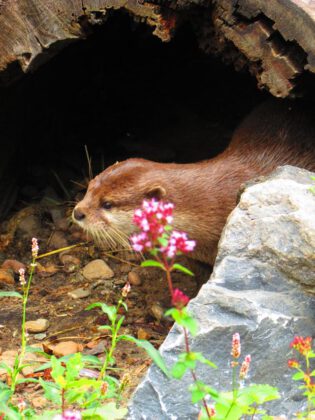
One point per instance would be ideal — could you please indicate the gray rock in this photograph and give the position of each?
(261, 287)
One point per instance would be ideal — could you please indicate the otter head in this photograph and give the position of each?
(107, 209)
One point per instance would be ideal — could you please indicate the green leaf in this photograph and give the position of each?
(182, 269)
(202, 359)
(179, 369)
(11, 294)
(73, 367)
(120, 321)
(297, 376)
(8, 368)
(228, 412)
(9, 413)
(184, 319)
(57, 371)
(110, 311)
(5, 393)
(152, 352)
(52, 391)
(199, 390)
(124, 304)
(258, 394)
(152, 263)
(163, 241)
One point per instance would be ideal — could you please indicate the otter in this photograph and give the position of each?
(204, 193)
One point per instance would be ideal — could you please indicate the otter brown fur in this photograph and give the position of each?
(203, 193)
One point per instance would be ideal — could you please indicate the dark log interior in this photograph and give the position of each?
(123, 93)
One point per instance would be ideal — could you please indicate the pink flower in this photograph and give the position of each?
(35, 248)
(22, 276)
(68, 415)
(179, 299)
(178, 243)
(141, 242)
(125, 290)
(236, 346)
(245, 367)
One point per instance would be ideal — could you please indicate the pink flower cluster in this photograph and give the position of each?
(68, 415)
(152, 220)
(178, 242)
(236, 346)
(245, 367)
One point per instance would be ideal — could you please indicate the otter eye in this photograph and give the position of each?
(107, 205)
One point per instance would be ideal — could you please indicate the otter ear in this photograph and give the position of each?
(156, 191)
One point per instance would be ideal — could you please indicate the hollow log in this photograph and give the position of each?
(274, 39)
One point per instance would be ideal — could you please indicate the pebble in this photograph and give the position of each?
(97, 269)
(79, 293)
(58, 240)
(66, 347)
(46, 271)
(6, 276)
(124, 268)
(69, 259)
(142, 334)
(157, 311)
(13, 265)
(30, 225)
(134, 278)
(37, 326)
(40, 336)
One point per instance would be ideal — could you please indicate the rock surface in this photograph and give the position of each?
(261, 287)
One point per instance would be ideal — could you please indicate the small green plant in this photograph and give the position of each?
(7, 390)
(303, 348)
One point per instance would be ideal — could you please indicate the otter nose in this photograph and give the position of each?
(78, 214)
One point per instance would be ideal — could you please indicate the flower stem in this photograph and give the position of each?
(23, 330)
(193, 373)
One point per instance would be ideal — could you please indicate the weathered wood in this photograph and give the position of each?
(32, 31)
(274, 38)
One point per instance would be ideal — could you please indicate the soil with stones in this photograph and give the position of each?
(65, 283)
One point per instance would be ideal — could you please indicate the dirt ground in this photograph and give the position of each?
(60, 274)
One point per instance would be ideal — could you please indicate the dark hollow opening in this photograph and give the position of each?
(122, 93)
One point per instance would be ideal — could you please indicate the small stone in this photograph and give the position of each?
(30, 225)
(46, 271)
(6, 276)
(143, 334)
(134, 278)
(157, 311)
(124, 268)
(37, 326)
(97, 269)
(69, 259)
(58, 240)
(79, 293)
(13, 265)
(66, 347)
(39, 402)
(40, 336)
